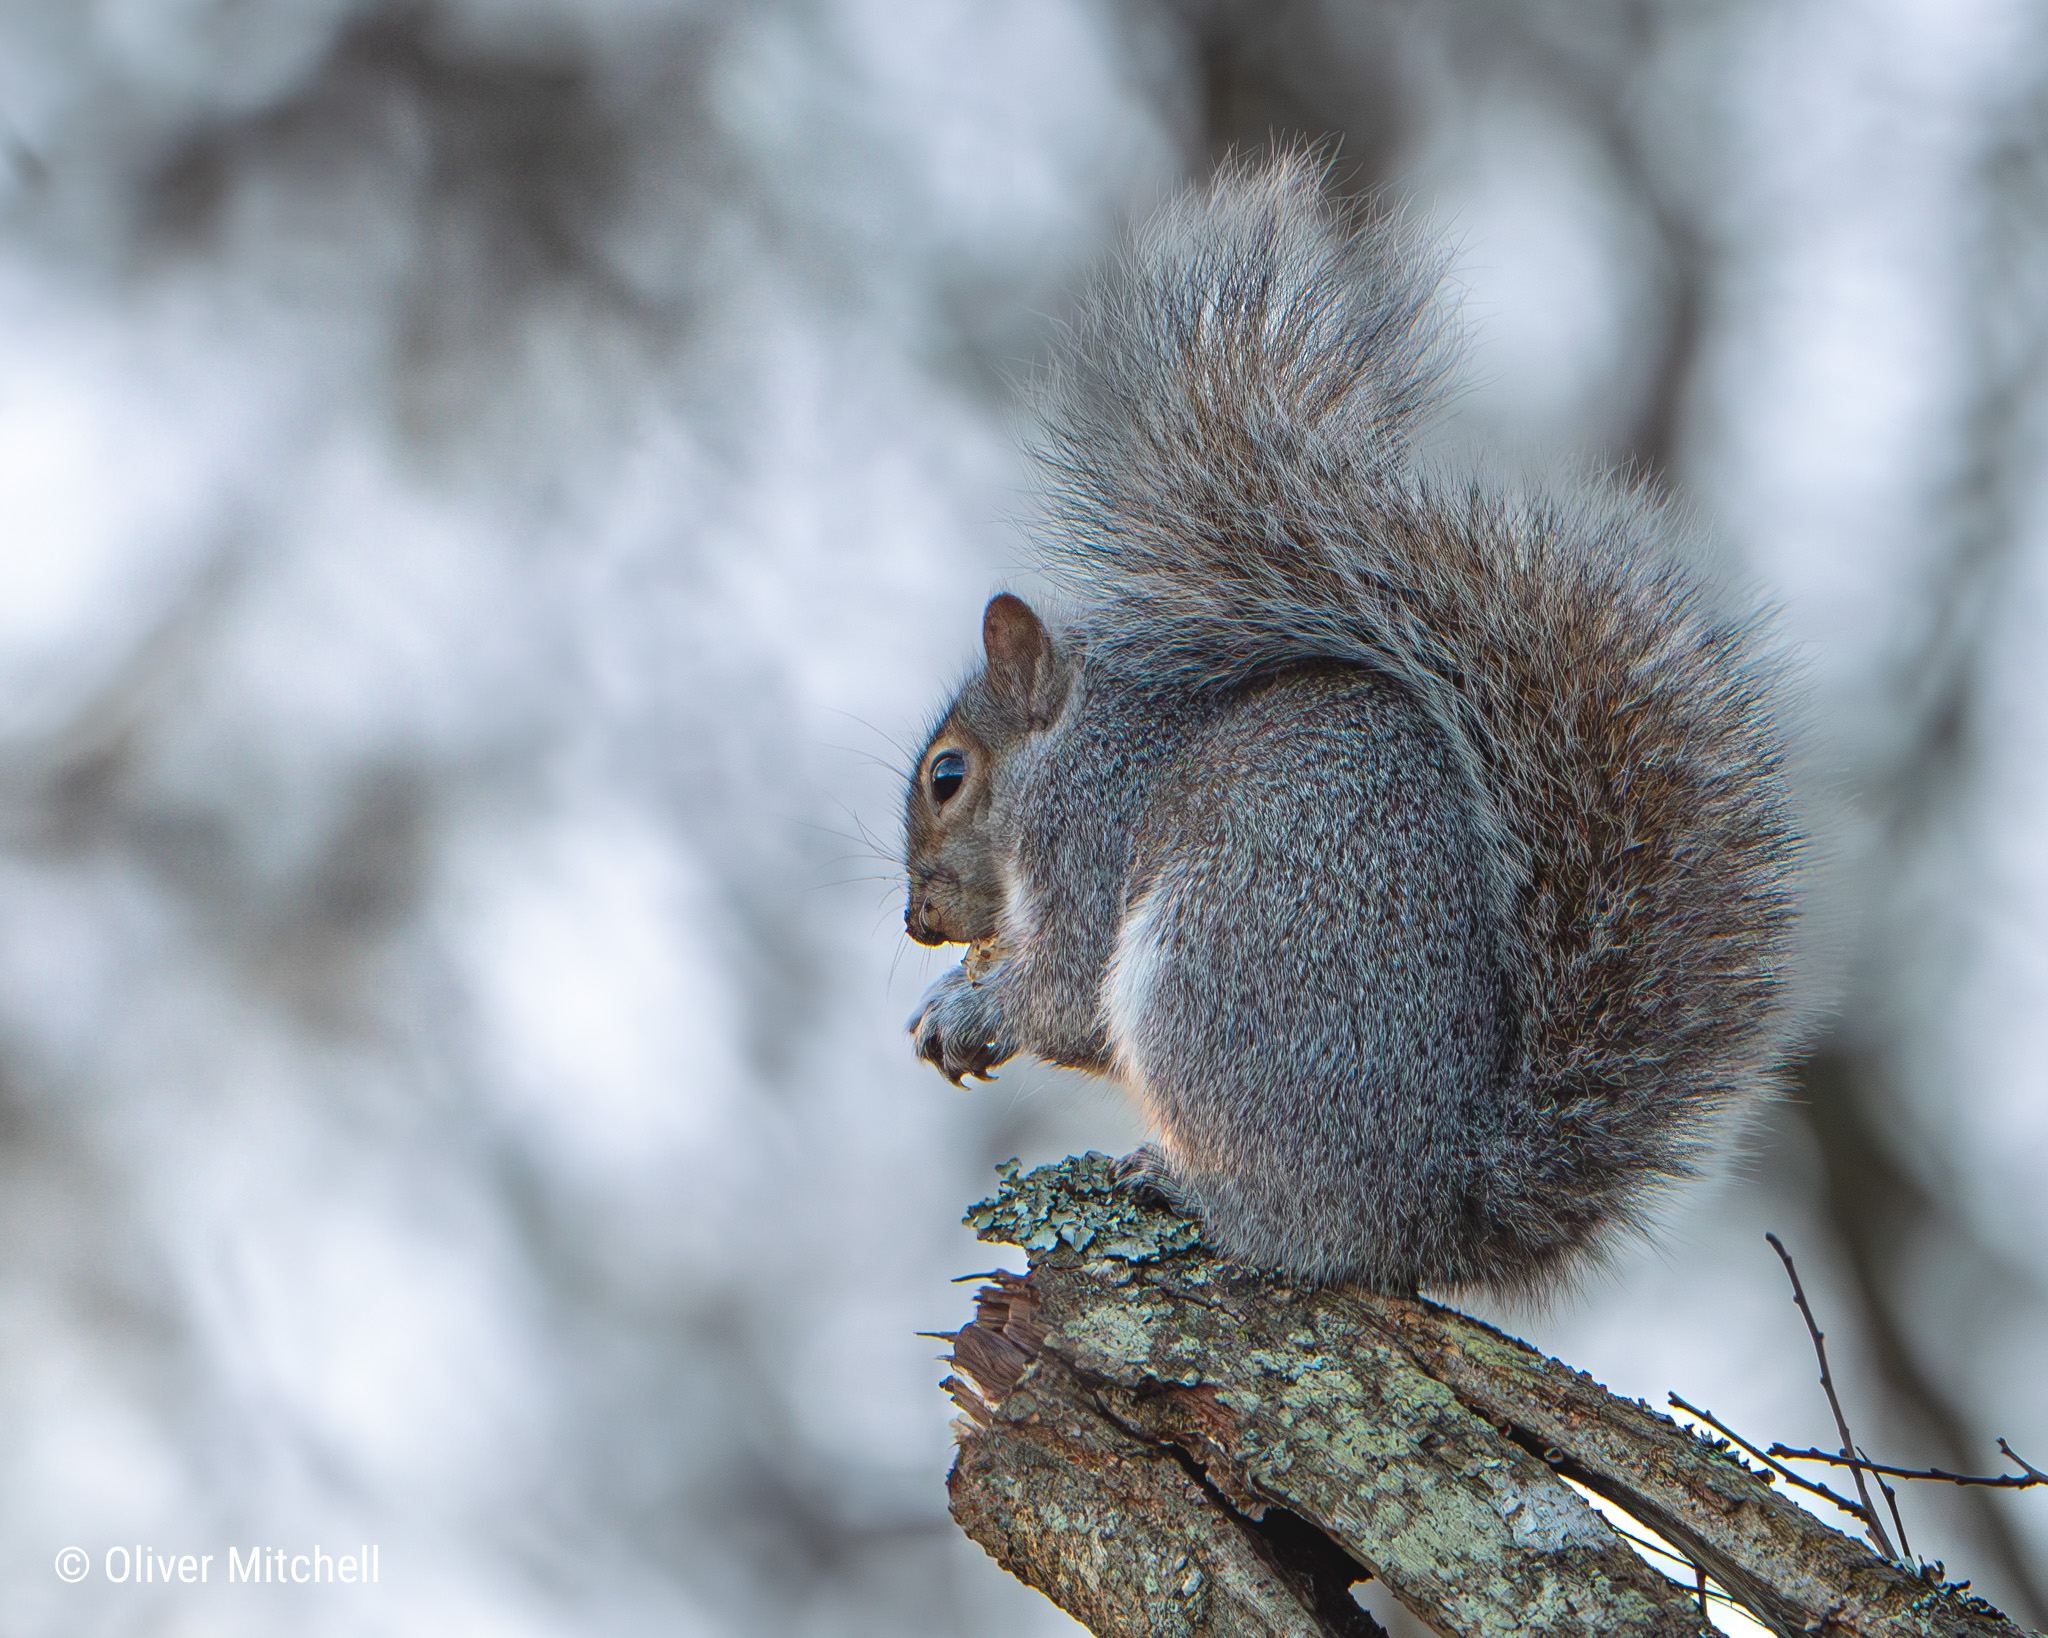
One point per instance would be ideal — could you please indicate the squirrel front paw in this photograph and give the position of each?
(958, 1027)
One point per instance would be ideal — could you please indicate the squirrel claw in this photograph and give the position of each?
(955, 1033)
(959, 1073)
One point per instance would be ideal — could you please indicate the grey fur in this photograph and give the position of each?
(1417, 854)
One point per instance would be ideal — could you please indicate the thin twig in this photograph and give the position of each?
(1779, 1468)
(2004, 1481)
(1827, 1382)
(2025, 1466)
(1891, 1500)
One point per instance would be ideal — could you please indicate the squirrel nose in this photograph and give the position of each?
(917, 924)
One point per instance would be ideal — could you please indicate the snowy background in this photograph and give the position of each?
(486, 490)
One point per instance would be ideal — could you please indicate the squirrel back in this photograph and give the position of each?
(1235, 507)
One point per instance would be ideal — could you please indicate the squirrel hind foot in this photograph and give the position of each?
(1148, 1173)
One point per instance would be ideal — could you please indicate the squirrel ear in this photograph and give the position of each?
(1026, 670)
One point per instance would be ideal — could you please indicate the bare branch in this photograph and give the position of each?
(1867, 1512)
(1835, 1498)
(1861, 1461)
(1891, 1500)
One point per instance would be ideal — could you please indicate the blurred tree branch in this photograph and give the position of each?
(1165, 1443)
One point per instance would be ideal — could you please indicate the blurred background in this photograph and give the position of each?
(490, 488)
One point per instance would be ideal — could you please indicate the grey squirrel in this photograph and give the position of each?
(1416, 852)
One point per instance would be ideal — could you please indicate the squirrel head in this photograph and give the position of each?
(954, 811)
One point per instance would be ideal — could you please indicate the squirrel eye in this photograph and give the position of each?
(949, 769)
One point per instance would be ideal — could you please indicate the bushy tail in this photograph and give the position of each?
(1228, 426)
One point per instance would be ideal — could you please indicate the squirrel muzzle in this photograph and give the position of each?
(930, 915)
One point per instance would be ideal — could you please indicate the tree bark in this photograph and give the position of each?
(1166, 1443)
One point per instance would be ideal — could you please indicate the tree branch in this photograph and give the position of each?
(1164, 1442)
